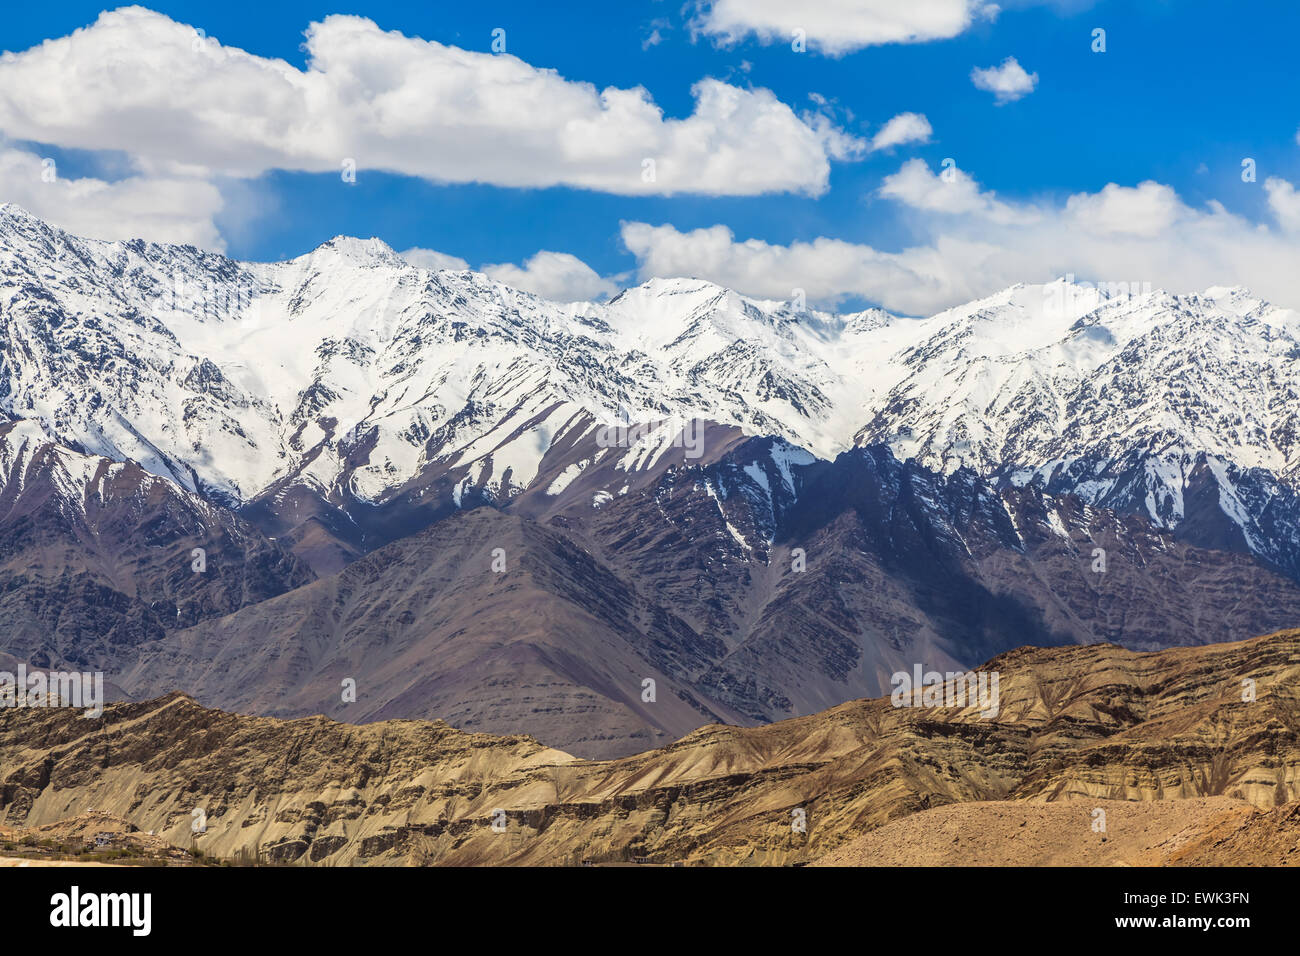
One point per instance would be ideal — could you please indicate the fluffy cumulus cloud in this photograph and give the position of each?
(836, 27)
(827, 269)
(975, 243)
(1007, 82)
(557, 276)
(903, 128)
(433, 259)
(160, 207)
(951, 191)
(139, 82)
(1148, 210)
(1284, 201)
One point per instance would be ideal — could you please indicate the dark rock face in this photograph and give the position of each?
(1221, 506)
(750, 589)
(350, 466)
(98, 558)
(425, 627)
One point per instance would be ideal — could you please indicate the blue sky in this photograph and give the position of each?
(1184, 91)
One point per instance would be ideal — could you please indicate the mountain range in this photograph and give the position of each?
(1184, 766)
(512, 514)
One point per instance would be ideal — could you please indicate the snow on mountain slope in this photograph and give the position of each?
(1132, 402)
(97, 557)
(348, 366)
(1006, 381)
(348, 372)
(32, 465)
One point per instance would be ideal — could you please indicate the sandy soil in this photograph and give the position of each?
(14, 861)
(1015, 833)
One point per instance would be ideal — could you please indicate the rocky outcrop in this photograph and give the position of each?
(750, 590)
(99, 558)
(1093, 723)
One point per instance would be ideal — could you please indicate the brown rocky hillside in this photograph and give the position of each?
(1077, 725)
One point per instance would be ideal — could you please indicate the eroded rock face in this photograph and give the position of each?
(751, 590)
(1092, 723)
(99, 558)
(945, 486)
(1199, 831)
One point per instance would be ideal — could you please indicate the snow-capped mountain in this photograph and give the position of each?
(766, 509)
(348, 366)
(762, 586)
(1182, 408)
(98, 557)
(350, 377)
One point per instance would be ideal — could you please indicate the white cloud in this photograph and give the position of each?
(836, 27)
(139, 82)
(975, 244)
(827, 269)
(903, 128)
(163, 209)
(952, 192)
(557, 276)
(433, 259)
(1284, 201)
(1008, 82)
(1148, 210)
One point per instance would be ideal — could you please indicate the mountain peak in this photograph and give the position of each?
(12, 212)
(366, 252)
(657, 285)
(1230, 294)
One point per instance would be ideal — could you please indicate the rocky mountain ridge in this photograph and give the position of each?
(317, 390)
(1076, 725)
